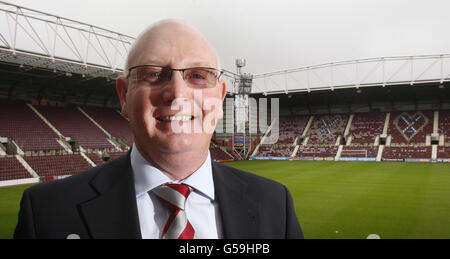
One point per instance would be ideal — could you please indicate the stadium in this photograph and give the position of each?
(363, 145)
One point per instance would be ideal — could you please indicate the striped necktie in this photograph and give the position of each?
(174, 197)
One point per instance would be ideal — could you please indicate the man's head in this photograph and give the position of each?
(151, 108)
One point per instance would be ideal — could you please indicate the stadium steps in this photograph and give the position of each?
(95, 123)
(295, 151)
(19, 150)
(109, 139)
(349, 124)
(338, 153)
(26, 166)
(380, 153)
(88, 159)
(61, 140)
(308, 126)
(305, 131)
(386, 123)
(434, 151)
(2, 150)
(436, 122)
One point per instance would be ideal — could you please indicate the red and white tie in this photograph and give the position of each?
(174, 196)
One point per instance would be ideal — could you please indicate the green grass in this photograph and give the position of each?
(340, 199)
(355, 199)
(9, 209)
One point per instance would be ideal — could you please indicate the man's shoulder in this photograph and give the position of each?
(74, 185)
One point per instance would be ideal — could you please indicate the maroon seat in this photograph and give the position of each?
(112, 122)
(410, 127)
(57, 165)
(275, 150)
(72, 123)
(12, 169)
(21, 124)
(326, 128)
(366, 127)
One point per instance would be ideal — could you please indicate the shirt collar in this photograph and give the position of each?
(147, 177)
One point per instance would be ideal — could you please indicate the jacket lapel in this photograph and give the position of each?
(239, 212)
(113, 213)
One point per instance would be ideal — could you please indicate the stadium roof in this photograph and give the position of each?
(383, 71)
(40, 41)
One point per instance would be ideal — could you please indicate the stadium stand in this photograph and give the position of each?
(96, 158)
(444, 125)
(218, 154)
(360, 151)
(291, 127)
(11, 169)
(366, 127)
(21, 124)
(408, 132)
(410, 127)
(277, 150)
(317, 151)
(105, 135)
(57, 165)
(402, 152)
(325, 129)
(443, 152)
(112, 122)
(322, 136)
(72, 123)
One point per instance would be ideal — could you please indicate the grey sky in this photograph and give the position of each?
(278, 34)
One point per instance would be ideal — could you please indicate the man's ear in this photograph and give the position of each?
(122, 89)
(223, 89)
(223, 93)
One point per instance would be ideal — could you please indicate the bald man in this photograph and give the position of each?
(166, 186)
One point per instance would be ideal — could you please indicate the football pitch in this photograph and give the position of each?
(340, 199)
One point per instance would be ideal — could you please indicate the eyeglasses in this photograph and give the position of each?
(158, 76)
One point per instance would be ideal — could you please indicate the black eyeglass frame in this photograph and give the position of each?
(182, 70)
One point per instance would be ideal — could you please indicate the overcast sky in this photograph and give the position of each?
(279, 34)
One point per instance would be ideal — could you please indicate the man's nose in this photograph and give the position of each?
(176, 88)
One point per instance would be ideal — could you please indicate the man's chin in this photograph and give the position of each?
(179, 142)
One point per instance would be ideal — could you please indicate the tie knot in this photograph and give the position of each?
(173, 195)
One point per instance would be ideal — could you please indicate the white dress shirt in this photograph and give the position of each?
(201, 208)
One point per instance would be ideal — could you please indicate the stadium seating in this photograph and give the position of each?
(408, 132)
(317, 151)
(11, 169)
(72, 123)
(407, 129)
(96, 158)
(443, 152)
(57, 165)
(21, 124)
(366, 127)
(277, 150)
(410, 127)
(326, 128)
(112, 122)
(218, 154)
(290, 128)
(359, 151)
(401, 152)
(444, 125)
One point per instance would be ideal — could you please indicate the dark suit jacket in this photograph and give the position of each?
(101, 203)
